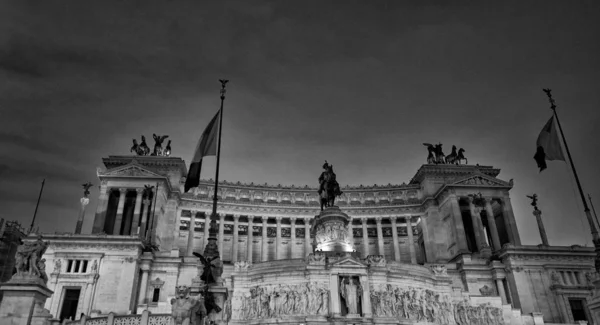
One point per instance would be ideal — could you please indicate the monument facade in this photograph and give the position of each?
(443, 248)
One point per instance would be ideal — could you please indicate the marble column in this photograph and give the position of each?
(278, 249)
(265, 245)
(365, 238)
(206, 230)
(119, 216)
(334, 301)
(84, 202)
(538, 217)
(492, 224)
(137, 211)
(249, 240)
(411, 240)
(100, 218)
(461, 237)
(351, 234)
(190, 243)
(307, 243)
(509, 222)
(380, 249)
(395, 239)
(235, 243)
(143, 287)
(501, 291)
(292, 237)
(477, 226)
(144, 221)
(221, 233)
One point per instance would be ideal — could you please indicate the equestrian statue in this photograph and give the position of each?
(328, 186)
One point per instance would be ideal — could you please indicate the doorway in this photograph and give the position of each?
(69, 305)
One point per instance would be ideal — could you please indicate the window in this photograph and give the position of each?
(578, 309)
(77, 266)
(156, 295)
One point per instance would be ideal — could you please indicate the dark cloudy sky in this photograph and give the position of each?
(360, 83)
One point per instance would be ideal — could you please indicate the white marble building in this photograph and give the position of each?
(426, 252)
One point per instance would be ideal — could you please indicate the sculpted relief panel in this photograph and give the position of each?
(283, 300)
(331, 231)
(430, 306)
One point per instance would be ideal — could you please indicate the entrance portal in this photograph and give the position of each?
(69, 305)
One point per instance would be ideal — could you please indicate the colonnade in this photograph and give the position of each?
(282, 252)
(138, 217)
(481, 240)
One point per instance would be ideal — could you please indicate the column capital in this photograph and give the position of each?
(250, 218)
(307, 219)
(378, 220)
(293, 219)
(139, 191)
(408, 219)
(393, 219)
(123, 190)
(364, 220)
(264, 219)
(221, 216)
(236, 217)
(278, 220)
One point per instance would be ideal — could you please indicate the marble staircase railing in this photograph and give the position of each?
(112, 319)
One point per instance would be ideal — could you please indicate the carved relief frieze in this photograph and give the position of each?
(423, 305)
(273, 301)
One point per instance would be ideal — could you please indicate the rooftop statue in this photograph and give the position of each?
(436, 155)
(456, 157)
(158, 141)
(141, 149)
(328, 186)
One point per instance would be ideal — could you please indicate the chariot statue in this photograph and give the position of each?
(329, 188)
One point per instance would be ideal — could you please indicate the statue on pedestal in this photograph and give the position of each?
(28, 259)
(328, 186)
(187, 310)
(350, 291)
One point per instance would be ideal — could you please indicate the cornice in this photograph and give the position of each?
(175, 163)
(451, 171)
(547, 253)
(96, 242)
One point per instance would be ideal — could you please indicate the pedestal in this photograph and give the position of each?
(23, 301)
(221, 295)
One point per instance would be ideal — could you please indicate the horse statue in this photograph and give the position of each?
(431, 153)
(158, 140)
(145, 150)
(136, 148)
(451, 158)
(167, 151)
(461, 156)
(439, 154)
(328, 186)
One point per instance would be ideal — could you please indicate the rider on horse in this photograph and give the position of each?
(328, 186)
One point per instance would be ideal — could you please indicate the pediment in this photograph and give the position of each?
(132, 169)
(348, 262)
(482, 180)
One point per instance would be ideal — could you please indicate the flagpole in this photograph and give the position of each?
(593, 209)
(595, 237)
(37, 205)
(212, 235)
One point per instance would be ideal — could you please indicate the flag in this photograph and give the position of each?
(548, 145)
(207, 146)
